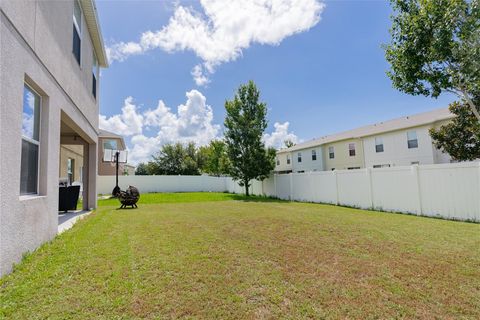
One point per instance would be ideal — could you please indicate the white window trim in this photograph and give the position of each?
(36, 194)
(79, 30)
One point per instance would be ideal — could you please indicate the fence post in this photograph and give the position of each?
(291, 185)
(337, 202)
(275, 185)
(370, 187)
(416, 176)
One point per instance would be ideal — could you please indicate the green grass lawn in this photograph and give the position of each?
(214, 255)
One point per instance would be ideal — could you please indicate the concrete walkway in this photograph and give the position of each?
(68, 219)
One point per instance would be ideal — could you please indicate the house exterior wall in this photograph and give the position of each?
(307, 163)
(397, 153)
(283, 166)
(36, 48)
(342, 159)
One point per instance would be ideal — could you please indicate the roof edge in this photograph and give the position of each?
(93, 25)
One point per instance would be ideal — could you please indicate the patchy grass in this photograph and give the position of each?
(211, 255)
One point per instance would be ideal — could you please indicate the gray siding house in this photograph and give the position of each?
(50, 55)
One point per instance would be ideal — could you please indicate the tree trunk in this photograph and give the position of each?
(246, 189)
(473, 107)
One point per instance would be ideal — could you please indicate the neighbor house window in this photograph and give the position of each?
(381, 166)
(314, 155)
(30, 142)
(77, 31)
(351, 149)
(412, 139)
(353, 168)
(331, 152)
(288, 159)
(94, 76)
(278, 161)
(110, 144)
(299, 157)
(414, 162)
(378, 144)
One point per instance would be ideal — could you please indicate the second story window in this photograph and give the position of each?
(30, 142)
(378, 144)
(288, 159)
(351, 149)
(331, 152)
(94, 76)
(77, 31)
(314, 155)
(412, 139)
(278, 161)
(299, 157)
(110, 144)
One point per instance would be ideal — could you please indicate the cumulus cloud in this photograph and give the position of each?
(277, 138)
(224, 29)
(192, 121)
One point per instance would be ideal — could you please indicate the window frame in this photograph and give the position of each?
(33, 141)
(77, 27)
(314, 155)
(94, 75)
(108, 140)
(377, 145)
(288, 159)
(350, 153)
(331, 152)
(299, 157)
(409, 141)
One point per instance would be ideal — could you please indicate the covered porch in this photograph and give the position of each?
(77, 170)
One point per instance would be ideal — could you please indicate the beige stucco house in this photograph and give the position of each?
(108, 142)
(398, 142)
(50, 55)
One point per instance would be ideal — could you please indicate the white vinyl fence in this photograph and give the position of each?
(443, 190)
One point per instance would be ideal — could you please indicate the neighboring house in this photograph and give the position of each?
(110, 142)
(50, 55)
(128, 170)
(398, 142)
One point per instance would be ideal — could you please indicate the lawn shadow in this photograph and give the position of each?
(241, 197)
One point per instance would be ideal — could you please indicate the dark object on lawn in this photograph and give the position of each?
(68, 198)
(128, 197)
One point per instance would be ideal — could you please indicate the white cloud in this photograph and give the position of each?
(199, 76)
(277, 138)
(193, 121)
(128, 123)
(224, 29)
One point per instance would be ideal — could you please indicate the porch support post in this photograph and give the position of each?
(89, 176)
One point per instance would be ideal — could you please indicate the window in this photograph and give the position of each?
(278, 161)
(299, 157)
(110, 145)
(331, 152)
(353, 168)
(412, 139)
(288, 159)
(351, 149)
(30, 142)
(414, 162)
(94, 76)
(77, 31)
(376, 166)
(70, 170)
(378, 144)
(314, 155)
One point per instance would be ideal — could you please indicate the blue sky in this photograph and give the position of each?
(321, 77)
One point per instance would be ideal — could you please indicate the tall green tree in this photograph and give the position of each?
(435, 48)
(216, 161)
(460, 138)
(176, 159)
(141, 169)
(245, 124)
